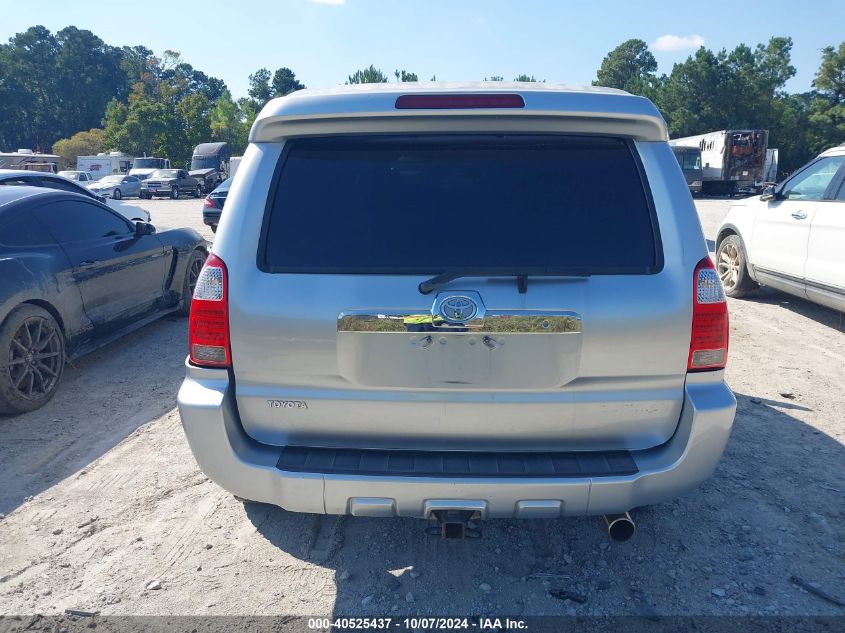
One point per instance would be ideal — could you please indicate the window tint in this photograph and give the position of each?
(18, 181)
(75, 221)
(55, 183)
(812, 182)
(427, 204)
(24, 230)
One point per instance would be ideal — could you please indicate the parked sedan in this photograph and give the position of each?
(170, 182)
(52, 181)
(790, 238)
(76, 275)
(212, 206)
(117, 186)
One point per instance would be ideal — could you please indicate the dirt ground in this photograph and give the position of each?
(104, 509)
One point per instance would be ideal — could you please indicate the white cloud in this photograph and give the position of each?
(668, 43)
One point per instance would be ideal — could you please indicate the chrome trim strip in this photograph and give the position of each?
(501, 321)
(815, 285)
(784, 276)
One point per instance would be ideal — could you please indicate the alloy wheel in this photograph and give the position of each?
(35, 358)
(194, 274)
(728, 265)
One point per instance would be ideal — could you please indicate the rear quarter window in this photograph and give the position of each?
(428, 204)
(23, 231)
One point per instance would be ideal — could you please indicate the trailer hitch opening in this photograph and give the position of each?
(454, 524)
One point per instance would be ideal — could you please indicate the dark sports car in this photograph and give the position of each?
(75, 275)
(17, 177)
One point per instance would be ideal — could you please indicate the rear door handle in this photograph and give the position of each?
(799, 215)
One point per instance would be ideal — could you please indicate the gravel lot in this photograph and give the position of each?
(104, 508)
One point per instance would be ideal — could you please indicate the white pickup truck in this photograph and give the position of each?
(82, 177)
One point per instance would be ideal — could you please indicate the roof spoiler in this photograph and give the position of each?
(309, 113)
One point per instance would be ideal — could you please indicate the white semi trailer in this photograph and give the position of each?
(234, 163)
(731, 160)
(770, 169)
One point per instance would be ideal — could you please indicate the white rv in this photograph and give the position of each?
(731, 160)
(33, 161)
(104, 164)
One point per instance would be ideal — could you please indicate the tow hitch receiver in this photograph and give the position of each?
(454, 524)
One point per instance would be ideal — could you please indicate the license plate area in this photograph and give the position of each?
(507, 351)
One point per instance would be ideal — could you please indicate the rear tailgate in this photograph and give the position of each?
(334, 345)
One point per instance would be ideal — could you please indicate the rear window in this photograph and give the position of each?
(431, 204)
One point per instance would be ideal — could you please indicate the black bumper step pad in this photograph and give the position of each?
(334, 461)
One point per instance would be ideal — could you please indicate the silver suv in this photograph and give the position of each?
(456, 302)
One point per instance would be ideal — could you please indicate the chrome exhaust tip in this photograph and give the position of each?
(620, 527)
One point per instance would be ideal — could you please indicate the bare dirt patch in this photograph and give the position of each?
(104, 508)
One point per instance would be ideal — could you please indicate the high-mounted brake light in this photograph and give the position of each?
(459, 101)
(708, 348)
(208, 326)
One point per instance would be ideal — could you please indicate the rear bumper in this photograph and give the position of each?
(249, 469)
(211, 218)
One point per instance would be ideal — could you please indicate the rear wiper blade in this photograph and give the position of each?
(521, 277)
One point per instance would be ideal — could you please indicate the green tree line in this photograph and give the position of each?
(742, 88)
(73, 93)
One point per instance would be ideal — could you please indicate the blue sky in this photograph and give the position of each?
(324, 41)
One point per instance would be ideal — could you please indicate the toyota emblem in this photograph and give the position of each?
(458, 309)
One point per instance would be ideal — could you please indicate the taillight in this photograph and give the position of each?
(209, 203)
(208, 326)
(708, 347)
(459, 101)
